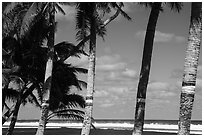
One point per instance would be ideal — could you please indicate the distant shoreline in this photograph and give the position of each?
(77, 131)
(112, 127)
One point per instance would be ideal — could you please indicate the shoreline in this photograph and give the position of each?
(77, 131)
(102, 128)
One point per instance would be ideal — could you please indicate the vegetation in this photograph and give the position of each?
(190, 69)
(156, 7)
(34, 68)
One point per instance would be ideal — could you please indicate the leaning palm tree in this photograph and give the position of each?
(190, 69)
(89, 24)
(156, 7)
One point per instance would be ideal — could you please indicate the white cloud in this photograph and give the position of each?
(110, 63)
(160, 90)
(161, 37)
(111, 67)
(129, 73)
(108, 59)
(158, 86)
(118, 90)
(106, 105)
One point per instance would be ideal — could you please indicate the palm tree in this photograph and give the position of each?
(190, 69)
(33, 67)
(89, 24)
(88, 21)
(48, 72)
(156, 7)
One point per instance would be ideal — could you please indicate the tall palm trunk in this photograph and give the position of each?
(190, 69)
(48, 74)
(145, 69)
(91, 76)
(15, 115)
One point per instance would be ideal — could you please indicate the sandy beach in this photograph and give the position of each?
(29, 128)
(77, 131)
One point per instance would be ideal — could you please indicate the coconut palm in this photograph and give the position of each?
(48, 71)
(156, 7)
(89, 24)
(190, 69)
(31, 61)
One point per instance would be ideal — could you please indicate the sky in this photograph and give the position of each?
(118, 63)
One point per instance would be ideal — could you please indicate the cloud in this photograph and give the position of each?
(157, 86)
(111, 67)
(178, 73)
(129, 73)
(161, 37)
(106, 105)
(160, 90)
(110, 63)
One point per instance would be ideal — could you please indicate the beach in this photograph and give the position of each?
(102, 128)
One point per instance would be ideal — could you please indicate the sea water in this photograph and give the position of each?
(149, 125)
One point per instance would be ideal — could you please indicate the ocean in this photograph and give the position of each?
(170, 126)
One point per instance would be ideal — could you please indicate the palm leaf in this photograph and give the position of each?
(31, 16)
(66, 49)
(11, 94)
(82, 83)
(33, 100)
(69, 114)
(10, 7)
(59, 9)
(124, 14)
(74, 100)
(82, 20)
(177, 6)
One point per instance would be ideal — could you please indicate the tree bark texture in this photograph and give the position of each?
(145, 70)
(91, 78)
(190, 70)
(48, 74)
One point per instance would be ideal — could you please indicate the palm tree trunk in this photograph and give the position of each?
(14, 117)
(91, 76)
(10, 111)
(8, 114)
(48, 74)
(190, 70)
(145, 70)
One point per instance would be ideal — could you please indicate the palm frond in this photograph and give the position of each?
(31, 16)
(60, 9)
(66, 49)
(196, 14)
(11, 6)
(100, 30)
(82, 20)
(33, 100)
(74, 100)
(67, 3)
(123, 13)
(11, 94)
(177, 6)
(82, 83)
(69, 114)
(77, 70)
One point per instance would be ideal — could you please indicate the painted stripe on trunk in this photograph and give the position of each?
(188, 89)
(141, 100)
